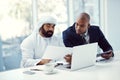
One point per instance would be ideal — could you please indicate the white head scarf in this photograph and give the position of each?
(43, 20)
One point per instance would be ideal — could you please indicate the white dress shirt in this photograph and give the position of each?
(86, 36)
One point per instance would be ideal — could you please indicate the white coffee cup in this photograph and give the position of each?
(49, 67)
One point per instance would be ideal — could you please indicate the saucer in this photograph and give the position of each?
(52, 72)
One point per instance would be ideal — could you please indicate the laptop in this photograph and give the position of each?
(83, 56)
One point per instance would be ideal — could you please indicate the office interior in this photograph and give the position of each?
(19, 17)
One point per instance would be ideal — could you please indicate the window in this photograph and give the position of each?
(92, 7)
(15, 18)
(15, 24)
(58, 8)
(18, 18)
(89, 6)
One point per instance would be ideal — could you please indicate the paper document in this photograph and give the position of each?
(55, 52)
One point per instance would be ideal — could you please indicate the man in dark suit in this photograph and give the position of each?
(81, 32)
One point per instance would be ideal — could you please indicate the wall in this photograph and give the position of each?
(113, 23)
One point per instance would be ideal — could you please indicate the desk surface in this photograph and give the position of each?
(101, 71)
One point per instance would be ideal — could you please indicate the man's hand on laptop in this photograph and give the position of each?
(107, 55)
(68, 58)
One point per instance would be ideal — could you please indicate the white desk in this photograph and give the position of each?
(101, 71)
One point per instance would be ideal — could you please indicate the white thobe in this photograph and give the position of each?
(33, 48)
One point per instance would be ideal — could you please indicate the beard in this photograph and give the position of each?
(48, 33)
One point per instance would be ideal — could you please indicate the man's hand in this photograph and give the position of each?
(68, 58)
(107, 55)
(44, 61)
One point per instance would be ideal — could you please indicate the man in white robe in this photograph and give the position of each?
(33, 46)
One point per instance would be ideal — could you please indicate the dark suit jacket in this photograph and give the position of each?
(71, 39)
